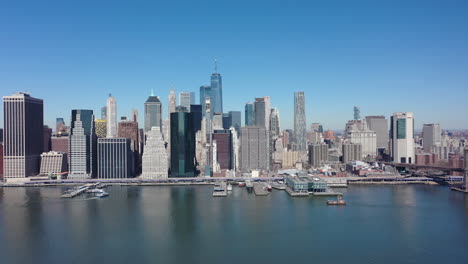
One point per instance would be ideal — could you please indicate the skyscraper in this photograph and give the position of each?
(249, 114)
(223, 153)
(267, 101)
(46, 135)
(299, 121)
(402, 137)
(205, 91)
(432, 137)
(101, 128)
(104, 113)
(235, 119)
(182, 145)
(379, 124)
(114, 158)
(259, 112)
(196, 110)
(254, 148)
(275, 123)
(217, 91)
(23, 135)
(357, 113)
(111, 117)
(129, 129)
(318, 154)
(185, 99)
(153, 112)
(172, 102)
(82, 161)
(155, 160)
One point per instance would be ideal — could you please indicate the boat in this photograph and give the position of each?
(241, 184)
(249, 186)
(102, 194)
(229, 187)
(339, 201)
(269, 187)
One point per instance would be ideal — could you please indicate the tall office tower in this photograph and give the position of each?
(134, 116)
(351, 152)
(53, 163)
(129, 129)
(182, 145)
(47, 134)
(299, 121)
(357, 113)
(185, 99)
(254, 148)
(318, 154)
(197, 116)
(217, 121)
(223, 151)
(402, 137)
(114, 158)
(23, 135)
(379, 124)
(192, 98)
(275, 130)
(60, 125)
(259, 112)
(217, 91)
(205, 91)
(111, 117)
(249, 114)
(172, 102)
(59, 144)
(235, 118)
(226, 121)
(81, 149)
(432, 137)
(235, 149)
(153, 112)
(155, 160)
(104, 113)
(267, 101)
(101, 128)
(358, 133)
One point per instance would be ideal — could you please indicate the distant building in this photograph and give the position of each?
(82, 145)
(60, 125)
(53, 163)
(249, 114)
(267, 101)
(275, 129)
(172, 102)
(402, 137)
(290, 158)
(379, 124)
(299, 121)
(47, 134)
(101, 128)
(114, 158)
(351, 152)
(1, 160)
(254, 148)
(153, 112)
(182, 145)
(357, 113)
(217, 121)
(318, 154)
(357, 132)
(205, 91)
(111, 117)
(223, 140)
(185, 99)
(259, 112)
(59, 144)
(155, 160)
(329, 134)
(104, 113)
(217, 92)
(129, 129)
(432, 137)
(465, 183)
(196, 111)
(22, 151)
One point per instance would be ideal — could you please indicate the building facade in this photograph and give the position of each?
(53, 162)
(22, 135)
(111, 113)
(114, 158)
(182, 145)
(223, 153)
(379, 124)
(351, 152)
(254, 148)
(101, 128)
(259, 112)
(249, 114)
(402, 137)
(82, 145)
(217, 92)
(318, 154)
(155, 159)
(299, 121)
(432, 137)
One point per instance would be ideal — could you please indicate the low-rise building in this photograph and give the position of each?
(53, 163)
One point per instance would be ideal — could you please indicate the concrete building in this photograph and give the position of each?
(82, 145)
(111, 111)
(299, 121)
(379, 124)
(101, 128)
(53, 163)
(155, 159)
(249, 114)
(357, 132)
(22, 136)
(182, 145)
(115, 159)
(185, 99)
(129, 129)
(59, 144)
(290, 158)
(223, 154)
(267, 101)
(431, 137)
(254, 148)
(351, 152)
(235, 149)
(153, 112)
(318, 154)
(259, 112)
(402, 137)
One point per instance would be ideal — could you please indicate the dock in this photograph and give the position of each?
(220, 190)
(329, 192)
(278, 186)
(260, 189)
(79, 190)
(296, 194)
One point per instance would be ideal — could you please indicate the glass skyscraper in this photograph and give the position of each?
(182, 145)
(204, 92)
(249, 114)
(153, 113)
(217, 93)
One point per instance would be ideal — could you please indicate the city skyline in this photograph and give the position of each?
(337, 61)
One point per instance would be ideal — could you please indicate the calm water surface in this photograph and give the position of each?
(381, 224)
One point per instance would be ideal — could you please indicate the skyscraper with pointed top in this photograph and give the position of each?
(217, 90)
(111, 109)
(153, 112)
(300, 121)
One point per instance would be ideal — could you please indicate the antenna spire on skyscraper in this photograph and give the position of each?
(216, 65)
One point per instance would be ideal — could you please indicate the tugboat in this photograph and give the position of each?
(339, 201)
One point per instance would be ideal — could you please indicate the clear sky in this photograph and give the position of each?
(384, 56)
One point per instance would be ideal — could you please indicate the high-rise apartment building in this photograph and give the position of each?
(379, 124)
(22, 136)
(275, 130)
(111, 117)
(155, 160)
(351, 152)
(299, 121)
(318, 154)
(153, 112)
(182, 145)
(115, 159)
(249, 114)
(357, 113)
(402, 137)
(432, 137)
(254, 148)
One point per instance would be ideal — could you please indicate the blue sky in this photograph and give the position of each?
(384, 56)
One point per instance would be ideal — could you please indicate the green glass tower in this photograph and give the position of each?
(182, 145)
